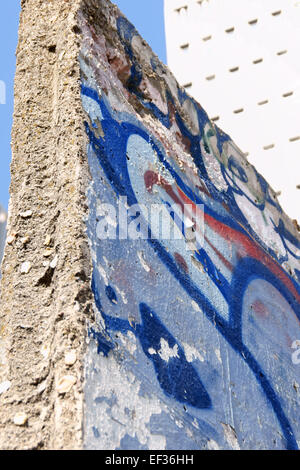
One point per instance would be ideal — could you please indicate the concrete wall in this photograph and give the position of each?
(44, 293)
(138, 341)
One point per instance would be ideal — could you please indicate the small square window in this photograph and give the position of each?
(238, 111)
(261, 103)
(289, 93)
(269, 147)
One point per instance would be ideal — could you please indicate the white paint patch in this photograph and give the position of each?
(179, 423)
(230, 436)
(191, 353)
(195, 424)
(213, 168)
(122, 411)
(190, 109)
(122, 294)
(292, 247)
(91, 79)
(143, 261)
(218, 354)
(212, 445)
(157, 442)
(167, 353)
(195, 306)
(106, 261)
(92, 108)
(128, 341)
(103, 273)
(261, 223)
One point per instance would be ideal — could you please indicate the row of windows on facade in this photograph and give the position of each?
(231, 29)
(237, 68)
(252, 22)
(228, 30)
(208, 38)
(269, 146)
(260, 103)
(241, 110)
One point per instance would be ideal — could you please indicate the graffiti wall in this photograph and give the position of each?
(196, 339)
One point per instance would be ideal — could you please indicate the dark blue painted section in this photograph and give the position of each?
(177, 377)
(111, 294)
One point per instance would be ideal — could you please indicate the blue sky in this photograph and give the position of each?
(147, 18)
(9, 19)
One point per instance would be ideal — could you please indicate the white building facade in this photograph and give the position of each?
(240, 60)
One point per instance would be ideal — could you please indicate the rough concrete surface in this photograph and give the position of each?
(138, 342)
(45, 297)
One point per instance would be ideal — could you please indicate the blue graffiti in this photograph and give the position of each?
(126, 33)
(177, 377)
(116, 136)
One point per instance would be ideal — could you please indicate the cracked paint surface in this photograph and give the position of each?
(192, 348)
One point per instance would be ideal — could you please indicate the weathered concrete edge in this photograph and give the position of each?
(45, 306)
